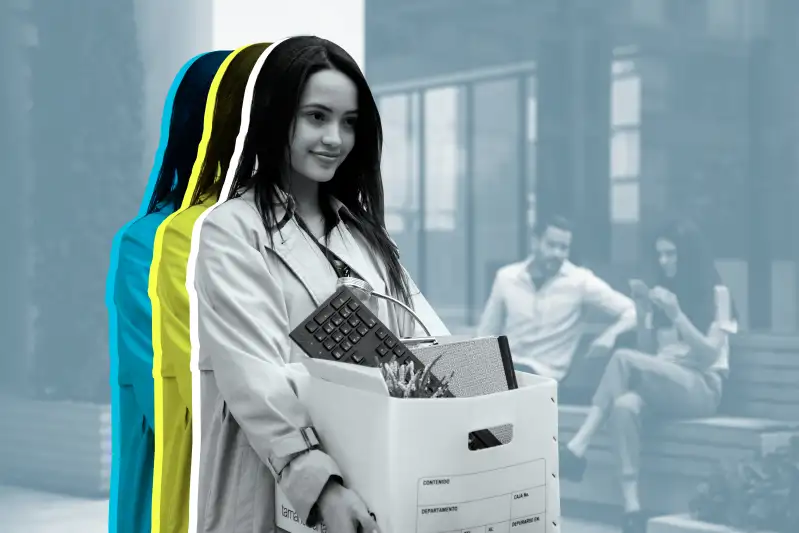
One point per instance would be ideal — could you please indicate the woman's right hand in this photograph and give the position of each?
(343, 511)
(666, 301)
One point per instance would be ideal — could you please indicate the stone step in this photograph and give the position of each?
(676, 458)
(64, 447)
(685, 524)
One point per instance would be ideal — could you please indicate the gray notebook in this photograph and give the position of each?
(481, 366)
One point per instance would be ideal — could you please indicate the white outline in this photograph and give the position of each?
(196, 394)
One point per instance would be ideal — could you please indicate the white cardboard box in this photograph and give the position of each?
(409, 460)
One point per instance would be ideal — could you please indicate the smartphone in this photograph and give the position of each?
(639, 289)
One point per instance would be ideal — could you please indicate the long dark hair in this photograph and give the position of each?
(357, 183)
(696, 275)
(226, 122)
(185, 131)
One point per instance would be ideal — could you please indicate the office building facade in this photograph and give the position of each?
(619, 114)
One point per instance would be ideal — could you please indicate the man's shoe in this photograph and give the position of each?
(572, 467)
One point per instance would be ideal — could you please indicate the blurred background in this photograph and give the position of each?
(618, 113)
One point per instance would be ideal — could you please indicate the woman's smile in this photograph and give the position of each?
(326, 158)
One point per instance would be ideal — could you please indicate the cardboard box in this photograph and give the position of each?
(409, 458)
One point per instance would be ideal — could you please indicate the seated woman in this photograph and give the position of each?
(682, 379)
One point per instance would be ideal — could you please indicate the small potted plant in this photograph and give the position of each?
(406, 381)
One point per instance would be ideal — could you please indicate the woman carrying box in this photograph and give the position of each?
(309, 174)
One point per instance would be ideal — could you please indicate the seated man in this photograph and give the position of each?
(539, 305)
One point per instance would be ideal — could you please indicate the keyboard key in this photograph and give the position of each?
(368, 320)
(340, 331)
(338, 301)
(323, 315)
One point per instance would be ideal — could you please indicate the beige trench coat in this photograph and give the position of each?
(250, 295)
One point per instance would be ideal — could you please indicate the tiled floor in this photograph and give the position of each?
(25, 511)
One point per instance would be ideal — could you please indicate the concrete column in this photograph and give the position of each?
(15, 37)
(573, 76)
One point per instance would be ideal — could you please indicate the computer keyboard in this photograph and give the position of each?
(343, 329)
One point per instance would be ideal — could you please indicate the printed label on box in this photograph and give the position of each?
(466, 503)
(470, 503)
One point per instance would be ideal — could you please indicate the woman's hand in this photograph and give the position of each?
(343, 511)
(666, 301)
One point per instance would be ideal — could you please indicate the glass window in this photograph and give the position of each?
(625, 157)
(459, 172)
(532, 137)
(624, 202)
(399, 166)
(626, 102)
(497, 179)
(445, 229)
(443, 156)
(532, 110)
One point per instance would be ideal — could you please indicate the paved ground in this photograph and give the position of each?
(25, 511)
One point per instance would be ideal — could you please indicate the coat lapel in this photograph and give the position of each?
(304, 258)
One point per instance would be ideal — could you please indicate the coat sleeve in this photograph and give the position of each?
(173, 301)
(243, 331)
(134, 320)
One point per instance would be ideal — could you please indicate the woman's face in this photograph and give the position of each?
(323, 132)
(667, 257)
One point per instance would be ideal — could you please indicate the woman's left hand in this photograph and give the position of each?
(666, 301)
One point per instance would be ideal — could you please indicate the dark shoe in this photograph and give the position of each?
(634, 522)
(572, 467)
